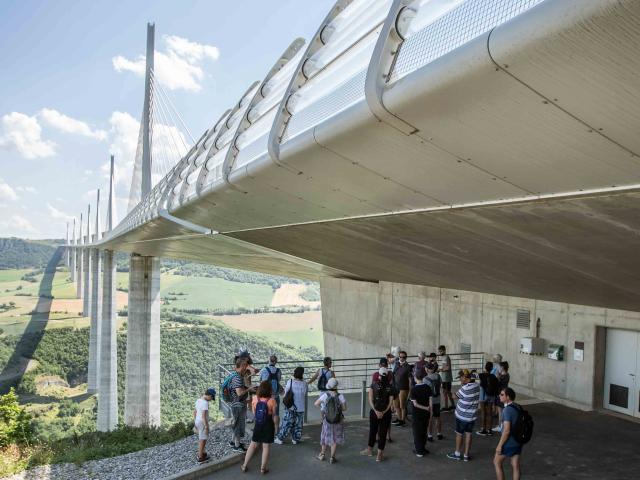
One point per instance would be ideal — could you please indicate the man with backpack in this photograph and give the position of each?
(323, 375)
(433, 380)
(489, 389)
(235, 393)
(381, 396)
(274, 376)
(517, 428)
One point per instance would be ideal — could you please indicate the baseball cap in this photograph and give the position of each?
(332, 384)
(382, 371)
(432, 355)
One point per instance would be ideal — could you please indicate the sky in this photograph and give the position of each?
(71, 89)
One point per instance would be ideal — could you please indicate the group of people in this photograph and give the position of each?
(423, 389)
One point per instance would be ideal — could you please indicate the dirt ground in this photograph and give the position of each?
(289, 294)
(274, 322)
(75, 304)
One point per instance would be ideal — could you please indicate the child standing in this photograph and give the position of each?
(201, 422)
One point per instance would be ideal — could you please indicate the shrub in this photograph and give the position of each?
(15, 422)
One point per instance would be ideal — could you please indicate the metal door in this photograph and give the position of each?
(622, 365)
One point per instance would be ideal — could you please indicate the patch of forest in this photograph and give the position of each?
(19, 253)
(189, 359)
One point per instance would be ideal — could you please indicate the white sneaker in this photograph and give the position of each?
(277, 440)
(294, 442)
(497, 429)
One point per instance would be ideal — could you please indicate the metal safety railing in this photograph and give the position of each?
(353, 374)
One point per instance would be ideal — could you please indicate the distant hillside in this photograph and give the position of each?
(19, 253)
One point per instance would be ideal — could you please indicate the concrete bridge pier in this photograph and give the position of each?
(142, 389)
(79, 272)
(108, 361)
(96, 317)
(86, 282)
(72, 264)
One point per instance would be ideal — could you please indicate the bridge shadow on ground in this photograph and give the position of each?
(18, 363)
(567, 444)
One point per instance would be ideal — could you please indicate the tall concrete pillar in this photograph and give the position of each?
(72, 258)
(96, 317)
(96, 308)
(80, 264)
(86, 257)
(108, 364)
(142, 389)
(67, 260)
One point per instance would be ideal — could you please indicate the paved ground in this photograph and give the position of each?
(567, 444)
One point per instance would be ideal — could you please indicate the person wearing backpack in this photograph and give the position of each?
(489, 389)
(273, 375)
(294, 413)
(513, 421)
(264, 407)
(323, 375)
(332, 405)
(235, 393)
(381, 396)
(435, 383)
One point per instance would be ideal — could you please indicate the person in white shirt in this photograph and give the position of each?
(201, 422)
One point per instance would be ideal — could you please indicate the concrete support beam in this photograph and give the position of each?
(79, 272)
(96, 316)
(142, 389)
(108, 364)
(86, 283)
(72, 264)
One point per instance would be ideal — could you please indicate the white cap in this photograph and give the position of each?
(383, 371)
(332, 384)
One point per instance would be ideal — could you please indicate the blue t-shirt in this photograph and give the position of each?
(510, 414)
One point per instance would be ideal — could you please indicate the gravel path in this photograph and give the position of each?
(152, 463)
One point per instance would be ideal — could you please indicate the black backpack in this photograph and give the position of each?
(522, 431)
(322, 381)
(493, 385)
(381, 395)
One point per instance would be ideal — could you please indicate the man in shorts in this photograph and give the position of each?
(508, 447)
(239, 394)
(446, 375)
(433, 380)
(466, 414)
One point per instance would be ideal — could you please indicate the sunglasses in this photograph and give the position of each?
(403, 358)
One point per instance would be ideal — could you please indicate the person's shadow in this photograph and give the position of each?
(16, 367)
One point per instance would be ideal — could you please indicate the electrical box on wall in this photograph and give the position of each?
(555, 352)
(532, 346)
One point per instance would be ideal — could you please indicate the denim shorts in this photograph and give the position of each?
(464, 427)
(511, 451)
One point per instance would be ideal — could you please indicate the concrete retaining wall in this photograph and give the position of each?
(366, 319)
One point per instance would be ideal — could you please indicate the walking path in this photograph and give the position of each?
(567, 444)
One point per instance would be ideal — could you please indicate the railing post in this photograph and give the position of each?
(306, 406)
(363, 399)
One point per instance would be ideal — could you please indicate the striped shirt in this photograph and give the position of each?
(467, 406)
(236, 382)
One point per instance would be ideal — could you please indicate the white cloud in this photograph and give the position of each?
(58, 214)
(191, 51)
(16, 225)
(7, 193)
(66, 124)
(26, 189)
(178, 68)
(23, 134)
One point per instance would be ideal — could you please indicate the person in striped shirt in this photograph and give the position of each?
(466, 414)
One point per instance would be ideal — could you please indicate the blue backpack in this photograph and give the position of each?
(262, 412)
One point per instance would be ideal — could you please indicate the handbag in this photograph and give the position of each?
(287, 400)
